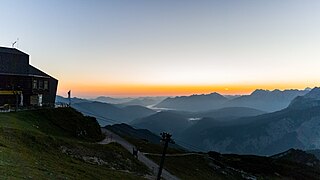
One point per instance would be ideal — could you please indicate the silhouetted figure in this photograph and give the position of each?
(135, 152)
(69, 97)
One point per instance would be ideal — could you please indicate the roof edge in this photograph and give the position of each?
(11, 51)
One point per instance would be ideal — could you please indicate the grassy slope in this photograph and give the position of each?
(190, 167)
(231, 166)
(32, 144)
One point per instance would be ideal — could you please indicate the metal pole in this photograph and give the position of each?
(166, 138)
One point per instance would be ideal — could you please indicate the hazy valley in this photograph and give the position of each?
(262, 123)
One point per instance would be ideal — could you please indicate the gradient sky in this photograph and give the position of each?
(168, 47)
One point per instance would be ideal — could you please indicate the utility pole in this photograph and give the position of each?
(166, 138)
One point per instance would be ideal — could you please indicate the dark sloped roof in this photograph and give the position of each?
(11, 51)
(30, 70)
(35, 71)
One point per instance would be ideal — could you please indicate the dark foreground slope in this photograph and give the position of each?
(291, 164)
(60, 144)
(214, 165)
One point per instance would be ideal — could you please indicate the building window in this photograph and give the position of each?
(40, 84)
(35, 84)
(45, 85)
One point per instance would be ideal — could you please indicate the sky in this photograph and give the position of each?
(168, 47)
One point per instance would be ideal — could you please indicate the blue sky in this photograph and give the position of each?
(104, 47)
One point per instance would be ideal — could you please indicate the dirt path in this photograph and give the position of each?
(112, 137)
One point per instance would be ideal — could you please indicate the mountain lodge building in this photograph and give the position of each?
(23, 85)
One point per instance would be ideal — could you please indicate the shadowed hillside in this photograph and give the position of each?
(230, 113)
(60, 144)
(163, 121)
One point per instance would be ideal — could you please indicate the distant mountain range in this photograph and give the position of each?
(296, 126)
(194, 103)
(111, 100)
(141, 101)
(263, 100)
(120, 102)
(145, 101)
(245, 130)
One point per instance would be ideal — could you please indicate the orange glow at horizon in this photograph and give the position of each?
(121, 90)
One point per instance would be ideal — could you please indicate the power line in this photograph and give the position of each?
(109, 120)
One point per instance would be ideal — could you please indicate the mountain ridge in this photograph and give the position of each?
(260, 99)
(194, 102)
(264, 134)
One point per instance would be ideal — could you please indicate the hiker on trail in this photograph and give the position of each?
(135, 152)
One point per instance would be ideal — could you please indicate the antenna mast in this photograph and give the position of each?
(15, 42)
